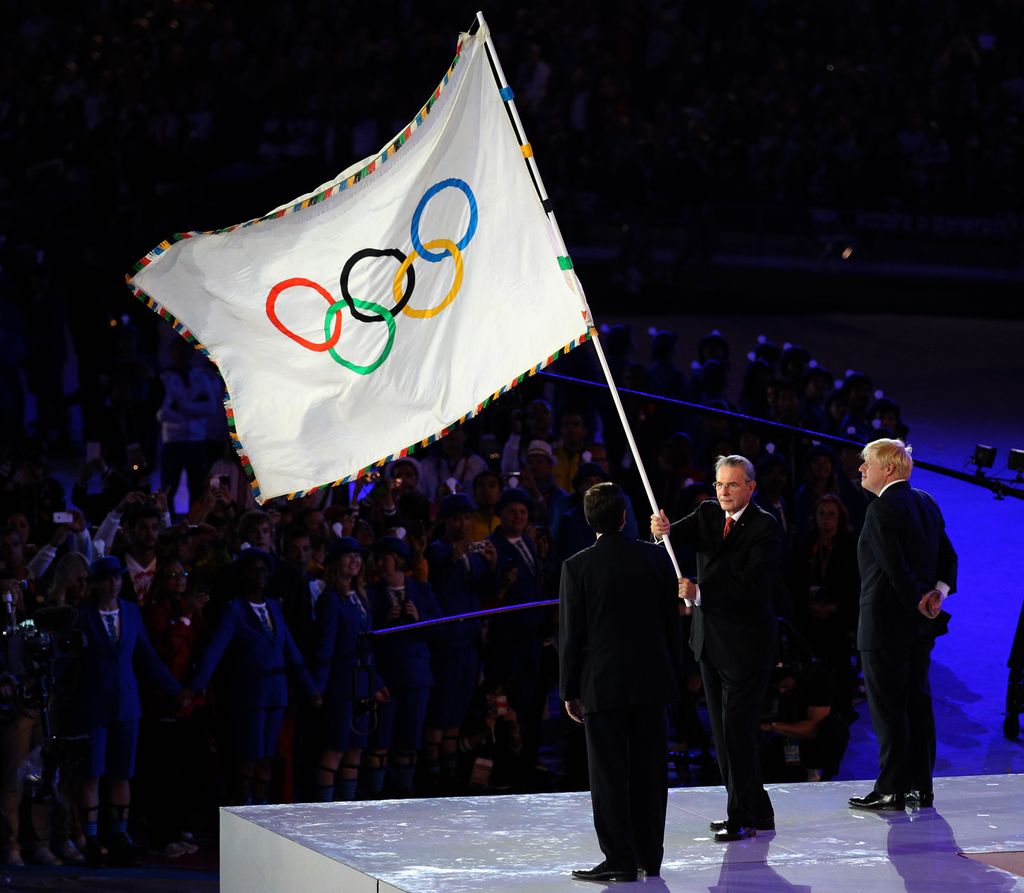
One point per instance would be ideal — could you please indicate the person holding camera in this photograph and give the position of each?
(70, 535)
(402, 496)
(398, 599)
(21, 731)
(804, 734)
(620, 644)
(343, 668)
(491, 743)
(449, 462)
(459, 569)
(108, 704)
(141, 517)
(14, 572)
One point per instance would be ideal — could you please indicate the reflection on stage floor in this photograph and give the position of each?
(531, 843)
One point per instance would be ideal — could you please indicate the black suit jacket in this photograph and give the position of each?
(902, 552)
(620, 635)
(734, 628)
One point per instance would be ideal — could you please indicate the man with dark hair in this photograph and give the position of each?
(142, 523)
(620, 665)
(734, 631)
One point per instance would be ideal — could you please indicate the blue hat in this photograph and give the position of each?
(246, 556)
(102, 568)
(393, 544)
(343, 545)
(514, 494)
(455, 504)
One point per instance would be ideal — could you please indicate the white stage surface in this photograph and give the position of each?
(531, 843)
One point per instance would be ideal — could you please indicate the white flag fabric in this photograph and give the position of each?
(361, 321)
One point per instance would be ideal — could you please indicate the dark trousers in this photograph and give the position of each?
(188, 455)
(735, 702)
(900, 699)
(627, 751)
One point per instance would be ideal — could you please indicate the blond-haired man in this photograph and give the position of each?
(907, 568)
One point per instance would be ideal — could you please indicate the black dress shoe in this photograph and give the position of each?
(93, 853)
(879, 802)
(921, 799)
(123, 853)
(762, 824)
(603, 872)
(741, 833)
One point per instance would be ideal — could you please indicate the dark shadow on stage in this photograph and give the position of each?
(745, 869)
(925, 853)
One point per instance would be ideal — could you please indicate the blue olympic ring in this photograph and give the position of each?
(435, 257)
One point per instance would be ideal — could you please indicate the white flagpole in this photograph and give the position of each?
(573, 278)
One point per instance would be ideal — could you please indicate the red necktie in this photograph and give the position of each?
(728, 526)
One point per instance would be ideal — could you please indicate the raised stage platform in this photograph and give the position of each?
(531, 843)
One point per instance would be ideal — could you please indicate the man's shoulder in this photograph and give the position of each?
(762, 514)
(624, 548)
(895, 495)
(923, 496)
(129, 609)
(709, 508)
(584, 556)
(417, 587)
(438, 548)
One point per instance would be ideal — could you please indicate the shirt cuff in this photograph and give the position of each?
(696, 598)
(184, 620)
(943, 588)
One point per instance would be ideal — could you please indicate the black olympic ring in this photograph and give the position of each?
(373, 252)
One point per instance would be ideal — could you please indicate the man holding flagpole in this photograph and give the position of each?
(333, 317)
(734, 631)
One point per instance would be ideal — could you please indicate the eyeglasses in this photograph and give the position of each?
(173, 575)
(731, 485)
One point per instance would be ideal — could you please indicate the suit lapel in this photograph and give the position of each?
(739, 525)
(122, 626)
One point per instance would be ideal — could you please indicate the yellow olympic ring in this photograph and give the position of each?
(453, 249)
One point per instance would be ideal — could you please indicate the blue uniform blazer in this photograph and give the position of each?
(515, 628)
(108, 689)
(343, 643)
(404, 658)
(458, 586)
(254, 673)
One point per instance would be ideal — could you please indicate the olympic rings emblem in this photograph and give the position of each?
(402, 286)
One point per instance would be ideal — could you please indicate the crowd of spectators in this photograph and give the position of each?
(251, 656)
(234, 652)
(190, 115)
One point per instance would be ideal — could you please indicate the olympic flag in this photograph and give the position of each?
(362, 320)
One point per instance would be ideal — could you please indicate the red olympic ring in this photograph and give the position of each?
(281, 327)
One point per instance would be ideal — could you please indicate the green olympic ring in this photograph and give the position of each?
(388, 318)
